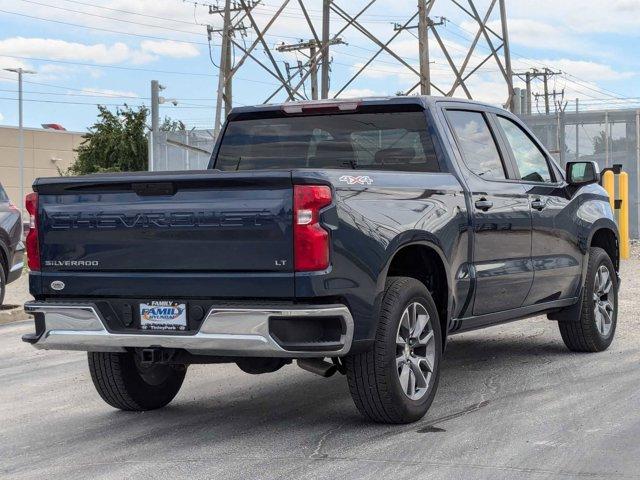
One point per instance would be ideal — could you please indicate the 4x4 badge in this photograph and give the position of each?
(356, 180)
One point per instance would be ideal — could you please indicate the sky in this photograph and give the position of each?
(86, 52)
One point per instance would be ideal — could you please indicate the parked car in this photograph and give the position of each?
(364, 232)
(11, 246)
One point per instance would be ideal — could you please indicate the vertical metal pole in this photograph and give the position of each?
(423, 46)
(563, 138)
(314, 72)
(150, 156)
(222, 74)
(638, 171)
(606, 139)
(545, 77)
(155, 119)
(507, 52)
(228, 89)
(517, 105)
(155, 107)
(326, 13)
(528, 82)
(577, 131)
(21, 139)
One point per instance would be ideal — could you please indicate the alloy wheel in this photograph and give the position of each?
(603, 298)
(415, 351)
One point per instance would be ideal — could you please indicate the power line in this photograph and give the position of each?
(153, 37)
(135, 69)
(163, 27)
(129, 12)
(188, 107)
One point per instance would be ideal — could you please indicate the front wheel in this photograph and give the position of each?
(396, 381)
(124, 383)
(593, 331)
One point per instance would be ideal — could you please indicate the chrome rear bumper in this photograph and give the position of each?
(224, 331)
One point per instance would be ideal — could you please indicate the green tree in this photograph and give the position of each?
(615, 144)
(115, 143)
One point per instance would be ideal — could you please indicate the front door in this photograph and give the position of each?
(501, 217)
(555, 253)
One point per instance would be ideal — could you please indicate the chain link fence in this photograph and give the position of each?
(608, 137)
(180, 150)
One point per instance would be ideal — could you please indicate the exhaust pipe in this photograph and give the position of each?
(318, 366)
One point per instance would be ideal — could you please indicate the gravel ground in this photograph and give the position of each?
(512, 403)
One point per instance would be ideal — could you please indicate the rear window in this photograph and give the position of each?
(4, 198)
(377, 141)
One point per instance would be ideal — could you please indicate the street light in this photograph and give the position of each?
(20, 72)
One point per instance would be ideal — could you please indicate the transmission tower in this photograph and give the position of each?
(239, 15)
(312, 46)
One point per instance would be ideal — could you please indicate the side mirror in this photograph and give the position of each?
(582, 173)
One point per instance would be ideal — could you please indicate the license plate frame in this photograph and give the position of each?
(163, 316)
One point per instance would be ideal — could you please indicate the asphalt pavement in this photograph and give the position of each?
(513, 402)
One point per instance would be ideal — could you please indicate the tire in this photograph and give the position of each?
(124, 384)
(3, 284)
(375, 376)
(594, 332)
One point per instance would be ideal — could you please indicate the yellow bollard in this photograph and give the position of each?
(623, 217)
(608, 184)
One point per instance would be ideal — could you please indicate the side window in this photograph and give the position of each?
(531, 162)
(477, 144)
(3, 195)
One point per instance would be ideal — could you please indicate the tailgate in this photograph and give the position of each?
(167, 222)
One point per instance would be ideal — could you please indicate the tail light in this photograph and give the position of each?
(33, 247)
(311, 241)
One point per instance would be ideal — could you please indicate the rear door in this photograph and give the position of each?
(555, 254)
(501, 215)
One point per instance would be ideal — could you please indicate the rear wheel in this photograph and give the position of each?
(396, 381)
(3, 284)
(124, 383)
(593, 331)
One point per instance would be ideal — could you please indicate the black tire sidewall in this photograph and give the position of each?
(413, 291)
(144, 394)
(3, 284)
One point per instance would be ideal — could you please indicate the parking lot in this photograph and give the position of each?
(512, 403)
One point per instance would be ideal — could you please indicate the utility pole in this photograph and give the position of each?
(20, 72)
(312, 63)
(528, 92)
(224, 90)
(156, 101)
(424, 24)
(532, 74)
(326, 14)
(545, 80)
(155, 109)
(423, 48)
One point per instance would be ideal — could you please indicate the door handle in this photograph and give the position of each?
(538, 204)
(483, 204)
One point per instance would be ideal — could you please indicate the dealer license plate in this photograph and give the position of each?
(163, 315)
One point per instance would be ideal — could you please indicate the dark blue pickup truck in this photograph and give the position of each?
(352, 236)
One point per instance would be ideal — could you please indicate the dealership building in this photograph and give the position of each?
(46, 153)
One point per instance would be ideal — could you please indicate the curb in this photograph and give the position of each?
(13, 315)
